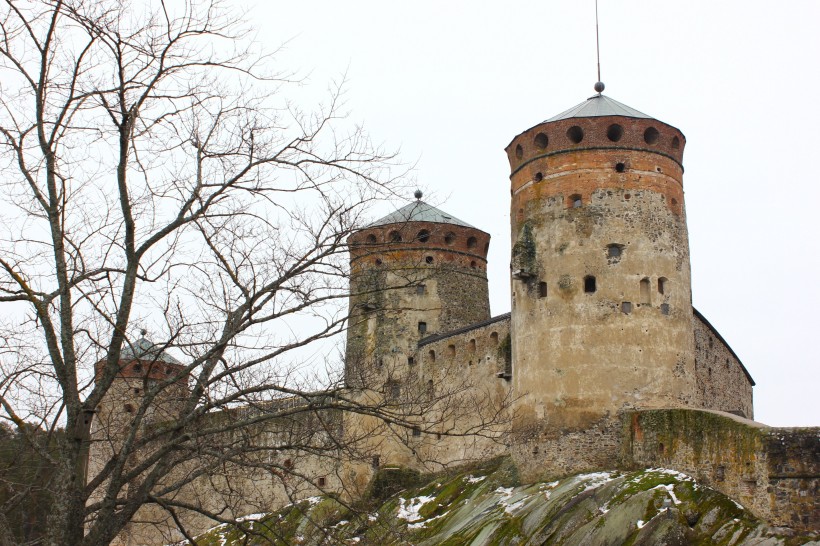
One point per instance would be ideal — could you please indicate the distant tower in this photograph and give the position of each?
(143, 366)
(601, 295)
(414, 273)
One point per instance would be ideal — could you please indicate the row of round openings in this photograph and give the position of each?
(429, 260)
(614, 133)
(423, 236)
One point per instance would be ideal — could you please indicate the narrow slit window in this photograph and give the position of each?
(542, 289)
(432, 355)
(451, 350)
(410, 360)
(422, 327)
(663, 285)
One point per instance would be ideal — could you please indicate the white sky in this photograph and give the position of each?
(450, 83)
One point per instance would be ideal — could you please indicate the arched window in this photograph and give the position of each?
(423, 236)
(394, 236)
(663, 285)
(472, 242)
(645, 290)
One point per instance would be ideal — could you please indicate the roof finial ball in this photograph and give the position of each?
(599, 87)
(418, 194)
(143, 332)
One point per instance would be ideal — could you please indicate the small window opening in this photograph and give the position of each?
(431, 389)
(645, 290)
(472, 242)
(432, 355)
(494, 338)
(539, 177)
(661, 448)
(663, 285)
(423, 236)
(615, 132)
(377, 261)
(542, 289)
(416, 431)
(519, 152)
(473, 264)
(395, 237)
(676, 143)
(371, 239)
(380, 363)
(471, 345)
(590, 284)
(651, 135)
(421, 289)
(428, 259)
(410, 360)
(541, 141)
(470, 363)
(438, 436)
(136, 391)
(422, 327)
(375, 461)
(627, 196)
(451, 350)
(450, 238)
(614, 251)
(575, 201)
(575, 134)
(620, 167)
(128, 408)
(321, 482)
(664, 308)
(626, 307)
(137, 367)
(395, 390)
(288, 463)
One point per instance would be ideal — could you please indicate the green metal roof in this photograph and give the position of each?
(599, 106)
(419, 211)
(142, 349)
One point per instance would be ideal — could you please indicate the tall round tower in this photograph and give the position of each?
(601, 310)
(416, 272)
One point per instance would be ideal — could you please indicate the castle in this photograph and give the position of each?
(602, 361)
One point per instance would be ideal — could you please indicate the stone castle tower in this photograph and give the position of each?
(601, 294)
(416, 272)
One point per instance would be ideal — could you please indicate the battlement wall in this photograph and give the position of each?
(774, 472)
(722, 382)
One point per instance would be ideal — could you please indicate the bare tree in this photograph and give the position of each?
(155, 176)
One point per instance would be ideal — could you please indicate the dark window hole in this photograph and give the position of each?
(541, 141)
(620, 167)
(651, 135)
(539, 177)
(423, 236)
(519, 152)
(590, 284)
(428, 259)
(575, 134)
(615, 132)
(542, 290)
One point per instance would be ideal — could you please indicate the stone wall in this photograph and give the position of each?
(723, 383)
(774, 472)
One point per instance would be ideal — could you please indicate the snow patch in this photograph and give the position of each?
(476, 479)
(409, 509)
(251, 517)
(640, 523)
(505, 492)
(669, 488)
(596, 480)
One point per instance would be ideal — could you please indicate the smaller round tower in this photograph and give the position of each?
(416, 272)
(143, 365)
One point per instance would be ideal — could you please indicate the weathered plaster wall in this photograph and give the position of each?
(722, 381)
(612, 211)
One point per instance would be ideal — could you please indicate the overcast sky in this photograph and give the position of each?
(451, 82)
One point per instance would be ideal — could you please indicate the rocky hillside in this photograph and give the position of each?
(486, 507)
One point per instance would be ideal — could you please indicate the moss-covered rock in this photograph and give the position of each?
(487, 506)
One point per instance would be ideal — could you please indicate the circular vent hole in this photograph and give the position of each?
(615, 132)
(651, 135)
(620, 167)
(575, 134)
(539, 177)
